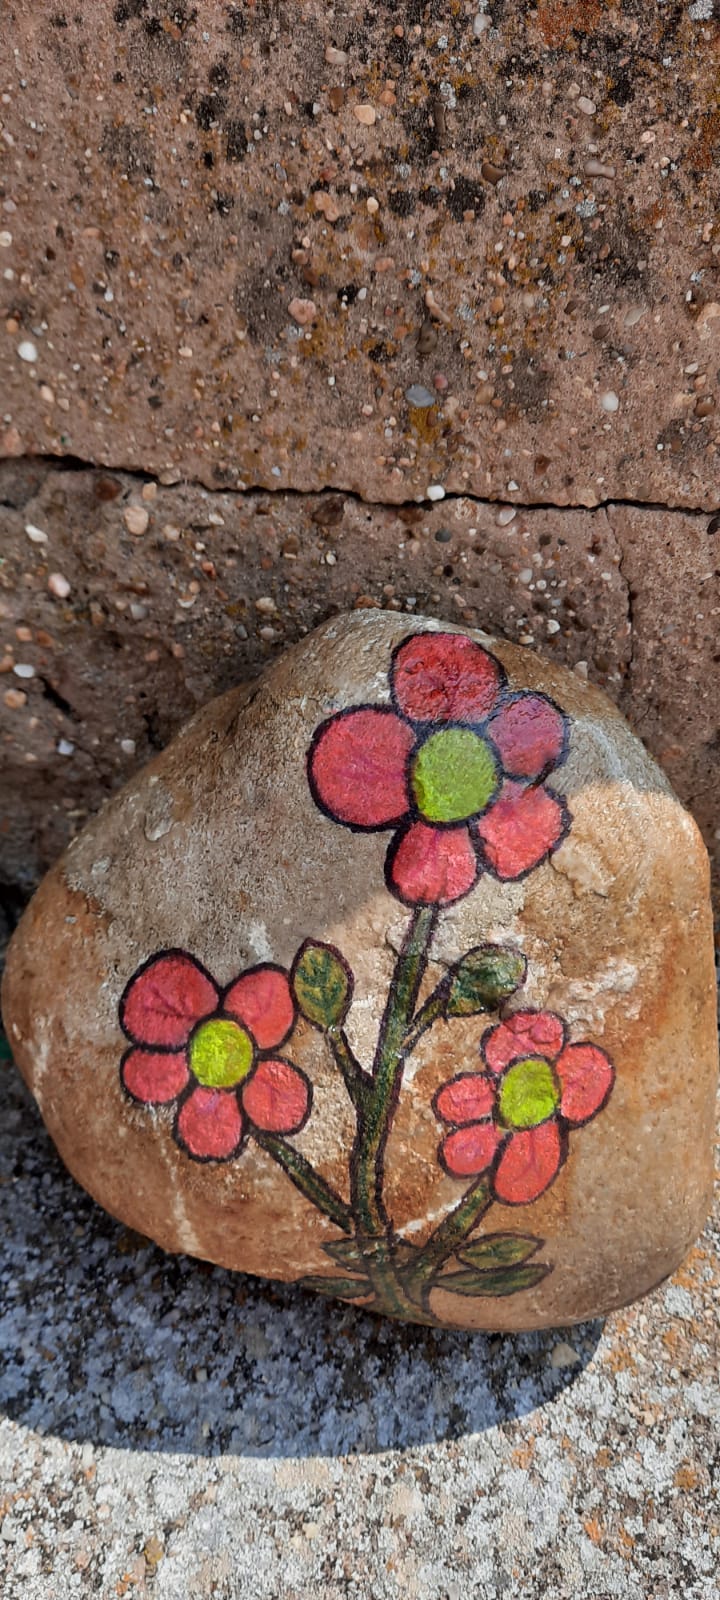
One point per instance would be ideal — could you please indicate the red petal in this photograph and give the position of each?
(471, 1150)
(262, 1002)
(431, 866)
(210, 1124)
(152, 1078)
(277, 1097)
(445, 677)
(528, 1164)
(165, 999)
(358, 767)
(465, 1099)
(529, 732)
(521, 829)
(586, 1077)
(525, 1033)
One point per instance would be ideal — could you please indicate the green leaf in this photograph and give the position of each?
(484, 978)
(499, 1250)
(342, 1288)
(322, 984)
(502, 1282)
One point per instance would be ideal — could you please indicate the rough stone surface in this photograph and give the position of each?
(169, 1430)
(155, 625)
(244, 867)
(528, 213)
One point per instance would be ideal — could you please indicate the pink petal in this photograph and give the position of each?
(210, 1124)
(277, 1098)
(154, 1078)
(586, 1077)
(521, 829)
(431, 866)
(528, 1164)
(165, 999)
(530, 734)
(470, 1150)
(445, 677)
(525, 1033)
(358, 767)
(261, 1000)
(466, 1098)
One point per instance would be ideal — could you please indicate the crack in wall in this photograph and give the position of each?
(71, 463)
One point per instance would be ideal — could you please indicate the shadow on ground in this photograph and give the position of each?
(105, 1338)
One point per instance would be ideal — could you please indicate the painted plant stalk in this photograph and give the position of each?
(455, 766)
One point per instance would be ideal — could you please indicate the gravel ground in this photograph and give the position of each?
(168, 1429)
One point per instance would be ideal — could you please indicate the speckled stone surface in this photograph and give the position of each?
(168, 1430)
(368, 247)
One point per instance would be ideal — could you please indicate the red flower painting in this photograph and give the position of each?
(513, 1119)
(455, 765)
(211, 1052)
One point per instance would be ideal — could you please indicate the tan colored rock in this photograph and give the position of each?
(393, 974)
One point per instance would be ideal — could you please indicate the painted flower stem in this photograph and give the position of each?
(432, 1011)
(375, 1120)
(446, 1239)
(357, 1081)
(306, 1179)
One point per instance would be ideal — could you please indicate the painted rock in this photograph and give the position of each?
(393, 975)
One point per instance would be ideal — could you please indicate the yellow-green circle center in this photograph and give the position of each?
(221, 1054)
(529, 1093)
(454, 775)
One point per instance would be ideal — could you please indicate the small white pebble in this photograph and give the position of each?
(27, 351)
(5, 239)
(127, 746)
(35, 535)
(609, 400)
(506, 516)
(525, 576)
(136, 520)
(58, 585)
(587, 106)
(436, 492)
(553, 626)
(65, 748)
(22, 669)
(480, 24)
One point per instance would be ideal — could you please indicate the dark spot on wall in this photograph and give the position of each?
(402, 202)
(236, 141)
(125, 10)
(466, 195)
(209, 111)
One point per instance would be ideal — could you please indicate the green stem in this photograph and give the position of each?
(443, 1243)
(376, 1115)
(306, 1179)
(432, 1011)
(357, 1081)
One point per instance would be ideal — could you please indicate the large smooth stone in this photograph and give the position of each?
(393, 975)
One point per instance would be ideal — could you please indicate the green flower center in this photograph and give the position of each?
(454, 775)
(529, 1093)
(221, 1054)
